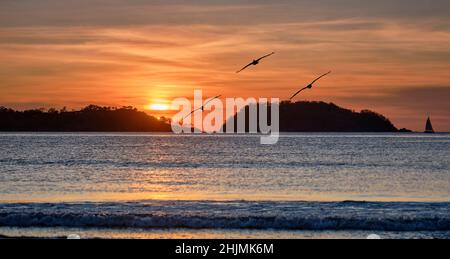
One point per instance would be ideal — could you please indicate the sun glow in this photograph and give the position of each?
(158, 107)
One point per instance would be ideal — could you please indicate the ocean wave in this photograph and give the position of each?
(276, 223)
(232, 215)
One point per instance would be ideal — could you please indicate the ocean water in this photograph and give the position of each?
(167, 186)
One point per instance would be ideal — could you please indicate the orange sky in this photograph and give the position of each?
(393, 58)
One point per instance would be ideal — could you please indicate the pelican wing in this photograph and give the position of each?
(266, 56)
(298, 93)
(317, 79)
(191, 113)
(244, 67)
(212, 99)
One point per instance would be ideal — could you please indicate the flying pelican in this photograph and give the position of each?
(310, 85)
(203, 106)
(255, 62)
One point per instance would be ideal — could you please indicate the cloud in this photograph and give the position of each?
(409, 106)
(219, 12)
(426, 99)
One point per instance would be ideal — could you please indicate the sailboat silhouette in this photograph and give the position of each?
(429, 126)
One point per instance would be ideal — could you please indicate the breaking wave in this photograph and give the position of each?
(232, 215)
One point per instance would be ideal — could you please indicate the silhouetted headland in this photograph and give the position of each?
(90, 119)
(294, 117)
(326, 117)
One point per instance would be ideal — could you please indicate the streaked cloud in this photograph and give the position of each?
(411, 105)
(217, 12)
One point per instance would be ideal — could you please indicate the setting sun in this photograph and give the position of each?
(158, 107)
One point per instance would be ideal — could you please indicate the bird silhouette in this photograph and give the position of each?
(310, 85)
(203, 106)
(255, 62)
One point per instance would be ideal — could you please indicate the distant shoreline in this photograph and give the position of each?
(293, 117)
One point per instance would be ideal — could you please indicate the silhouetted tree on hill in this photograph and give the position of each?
(91, 118)
(325, 117)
